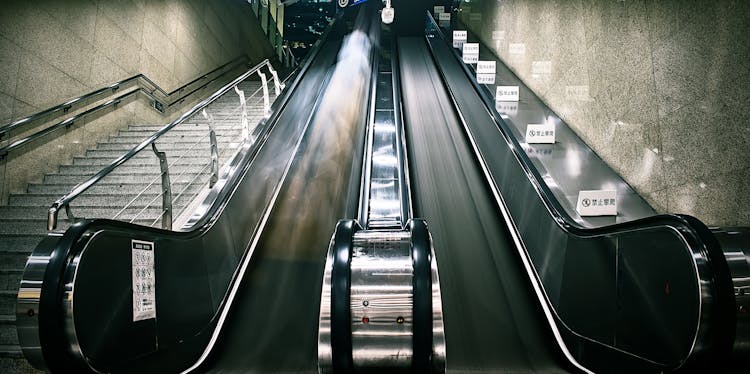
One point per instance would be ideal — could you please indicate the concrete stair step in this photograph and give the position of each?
(185, 126)
(8, 334)
(178, 158)
(9, 280)
(227, 136)
(196, 133)
(61, 189)
(101, 200)
(124, 148)
(40, 213)
(8, 301)
(16, 259)
(12, 363)
(123, 178)
(18, 243)
(127, 169)
(10, 350)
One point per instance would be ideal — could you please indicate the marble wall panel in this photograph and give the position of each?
(52, 51)
(666, 82)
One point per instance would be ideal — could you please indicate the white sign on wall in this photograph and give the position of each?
(509, 108)
(541, 68)
(444, 17)
(498, 35)
(486, 72)
(459, 38)
(506, 93)
(471, 53)
(577, 93)
(517, 48)
(597, 203)
(439, 9)
(540, 133)
(144, 290)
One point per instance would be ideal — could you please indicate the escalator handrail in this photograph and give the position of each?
(696, 234)
(52, 330)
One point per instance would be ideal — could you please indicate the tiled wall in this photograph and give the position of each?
(658, 88)
(53, 50)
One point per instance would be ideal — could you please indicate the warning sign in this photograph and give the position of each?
(144, 291)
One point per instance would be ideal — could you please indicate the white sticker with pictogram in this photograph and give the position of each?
(506, 93)
(471, 53)
(486, 72)
(508, 108)
(540, 134)
(597, 203)
(517, 48)
(144, 290)
(459, 38)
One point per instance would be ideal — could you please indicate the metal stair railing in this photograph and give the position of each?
(167, 213)
(160, 100)
(65, 201)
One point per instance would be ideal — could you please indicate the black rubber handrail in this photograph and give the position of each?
(421, 296)
(693, 230)
(51, 324)
(341, 326)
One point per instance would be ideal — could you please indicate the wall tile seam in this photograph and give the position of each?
(125, 33)
(102, 13)
(31, 52)
(218, 38)
(616, 166)
(16, 72)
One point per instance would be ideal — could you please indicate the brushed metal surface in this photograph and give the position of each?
(381, 305)
(381, 299)
(736, 245)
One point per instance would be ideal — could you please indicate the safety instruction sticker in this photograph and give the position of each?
(597, 203)
(506, 93)
(459, 38)
(486, 72)
(540, 133)
(471, 53)
(144, 290)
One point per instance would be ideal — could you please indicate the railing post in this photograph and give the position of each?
(277, 85)
(52, 218)
(214, 149)
(243, 107)
(166, 189)
(266, 102)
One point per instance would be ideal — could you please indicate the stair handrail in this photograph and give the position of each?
(145, 86)
(64, 202)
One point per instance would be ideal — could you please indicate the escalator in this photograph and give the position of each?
(401, 149)
(493, 320)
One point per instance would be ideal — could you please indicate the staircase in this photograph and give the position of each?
(137, 183)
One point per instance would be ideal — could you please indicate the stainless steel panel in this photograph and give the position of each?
(27, 304)
(736, 247)
(381, 299)
(385, 203)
